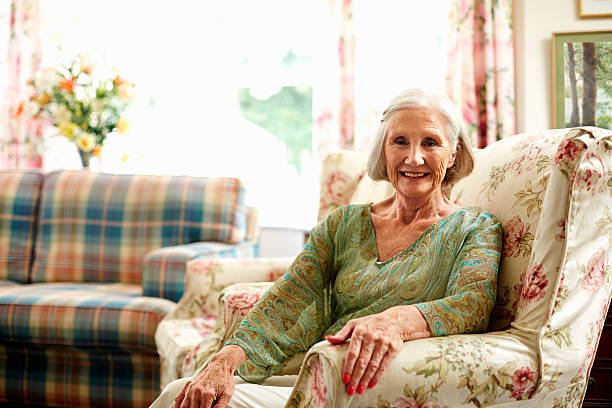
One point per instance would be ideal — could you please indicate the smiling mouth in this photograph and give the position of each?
(412, 175)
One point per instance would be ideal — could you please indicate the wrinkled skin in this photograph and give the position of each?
(375, 340)
(214, 386)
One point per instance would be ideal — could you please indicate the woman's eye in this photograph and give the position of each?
(400, 141)
(430, 143)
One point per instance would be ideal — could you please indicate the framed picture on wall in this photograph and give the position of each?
(595, 8)
(582, 79)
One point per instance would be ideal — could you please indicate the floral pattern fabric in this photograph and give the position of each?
(480, 67)
(194, 323)
(449, 273)
(552, 191)
(20, 135)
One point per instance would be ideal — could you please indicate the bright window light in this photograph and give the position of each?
(226, 88)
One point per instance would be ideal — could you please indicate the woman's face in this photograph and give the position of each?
(417, 152)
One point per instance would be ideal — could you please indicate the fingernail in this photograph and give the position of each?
(346, 379)
(360, 389)
(350, 390)
(371, 384)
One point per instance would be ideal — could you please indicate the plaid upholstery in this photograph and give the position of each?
(8, 284)
(19, 196)
(97, 227)
(113, 316)
(165, 268)
(252, 222)
(69, 377)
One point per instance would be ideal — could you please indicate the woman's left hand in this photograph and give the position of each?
(375, 340)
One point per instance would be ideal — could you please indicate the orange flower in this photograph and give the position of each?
(67, 84)
(19, 110)
(97, 151)
(118, 81)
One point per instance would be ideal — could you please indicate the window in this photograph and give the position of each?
(226, 88)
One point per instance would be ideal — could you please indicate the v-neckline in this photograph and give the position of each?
(411, 246)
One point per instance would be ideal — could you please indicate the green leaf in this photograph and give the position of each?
(382, 403)
(297, 400)
(420, 395)
(431, 365)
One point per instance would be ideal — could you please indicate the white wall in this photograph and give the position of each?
(534, 23)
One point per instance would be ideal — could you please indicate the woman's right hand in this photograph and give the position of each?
(214, 386)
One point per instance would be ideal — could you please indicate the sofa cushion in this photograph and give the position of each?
(97, 227)
(19, 196)
(81, 314)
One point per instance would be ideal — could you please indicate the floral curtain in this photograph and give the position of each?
(20, 135)
(333, 100)
(480, 75)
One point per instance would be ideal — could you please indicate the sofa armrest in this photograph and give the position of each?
(165, 268)
(474, 370)
(195, 319)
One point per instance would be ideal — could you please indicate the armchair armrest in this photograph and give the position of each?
(235, 301)
(470, 370)
(195, 317)
(165, 268)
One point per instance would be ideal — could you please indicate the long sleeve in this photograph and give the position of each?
(293, 314)
(472, 285)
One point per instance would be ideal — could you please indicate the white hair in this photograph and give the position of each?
(417, 98)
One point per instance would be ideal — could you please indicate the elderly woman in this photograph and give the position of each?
(411, 266)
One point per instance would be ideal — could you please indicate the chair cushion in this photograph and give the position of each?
(97, 227)
(81, 314)
(19, 197)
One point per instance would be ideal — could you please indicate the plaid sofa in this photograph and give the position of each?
(90, 263)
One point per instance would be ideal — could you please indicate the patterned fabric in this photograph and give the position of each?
(252, 222)
(19, 196)
(449, 273)
(552, 191)
(77, 378)
(97, 227)
(20, 135)
(235, 302)
(195, 317)
(455, 371)
(8, 284)
(340, 175)
(480, 67)
(165, 269)
(111, 316)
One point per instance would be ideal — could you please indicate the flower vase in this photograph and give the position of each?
(85, 156)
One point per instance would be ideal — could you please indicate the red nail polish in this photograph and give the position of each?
(360, 389)
(346, 378)
(371, 384)
(350, 390)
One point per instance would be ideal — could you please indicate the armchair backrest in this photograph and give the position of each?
(552, 190)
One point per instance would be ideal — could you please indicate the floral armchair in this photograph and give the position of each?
(552, 190)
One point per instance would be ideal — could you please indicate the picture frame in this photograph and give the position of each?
(582, 79)
(594, 8)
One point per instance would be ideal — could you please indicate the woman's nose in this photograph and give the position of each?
(414, 157)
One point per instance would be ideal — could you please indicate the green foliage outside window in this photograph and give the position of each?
(287, 114)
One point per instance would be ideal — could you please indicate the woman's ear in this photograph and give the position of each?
(451, 161)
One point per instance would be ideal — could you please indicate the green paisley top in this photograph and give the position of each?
(449, 273)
